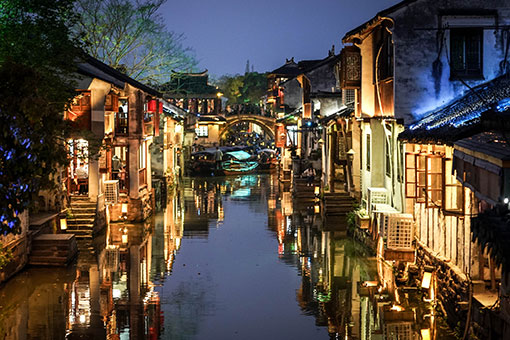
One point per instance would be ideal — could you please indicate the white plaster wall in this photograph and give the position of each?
(418, 89)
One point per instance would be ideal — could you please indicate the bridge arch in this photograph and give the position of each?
(267, 124)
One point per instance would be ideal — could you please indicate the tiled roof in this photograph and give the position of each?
(490, 143)
(461, 117)
(96, 68)
(366, 25)
(189, 84)
(290, 69)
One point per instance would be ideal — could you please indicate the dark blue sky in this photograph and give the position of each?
(226, 33)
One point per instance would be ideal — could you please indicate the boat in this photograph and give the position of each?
(267, 159)
(238, 162)
(202, 162)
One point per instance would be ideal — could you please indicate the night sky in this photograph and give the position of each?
(226, 33)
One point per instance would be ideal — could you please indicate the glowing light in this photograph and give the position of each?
(503, 105)
(427, 278)
(317, 209)
(425, 334)
(317, 191)
(63, 223)
(116, 293)
(124, 208)
(82, 318)
(505, 200)
(397, 308)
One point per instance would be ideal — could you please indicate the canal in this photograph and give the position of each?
(223, 258)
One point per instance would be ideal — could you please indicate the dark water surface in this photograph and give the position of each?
(224, 258)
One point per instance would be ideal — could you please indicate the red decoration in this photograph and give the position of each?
(280, 136)
(152, 106)
(160, 107)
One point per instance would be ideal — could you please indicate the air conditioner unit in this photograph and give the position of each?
(376, 196)
(380, 213)
(400, 229)
(399, 330)
(111, 191)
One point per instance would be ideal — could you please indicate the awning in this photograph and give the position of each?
(482, 177)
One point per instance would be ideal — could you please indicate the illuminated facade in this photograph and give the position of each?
(123, 113)
(426, 74)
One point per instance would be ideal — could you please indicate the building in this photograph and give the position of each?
(192, 93)
(435, 69)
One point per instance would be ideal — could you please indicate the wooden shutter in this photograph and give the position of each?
(434, 180)
(410, 175)
(453, 191)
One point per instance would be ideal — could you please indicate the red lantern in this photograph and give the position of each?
(160, 107)
(152, 106)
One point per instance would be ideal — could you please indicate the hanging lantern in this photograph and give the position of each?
(152, 106)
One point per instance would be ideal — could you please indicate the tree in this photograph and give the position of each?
(130, 35)
(244, 89)
(37, 59)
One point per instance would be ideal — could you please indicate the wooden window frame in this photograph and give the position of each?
(410, 173)
(433, 192)
(448, 211)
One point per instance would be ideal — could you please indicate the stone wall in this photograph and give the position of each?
(452, 286)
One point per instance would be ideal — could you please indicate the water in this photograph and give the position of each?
(225, 258)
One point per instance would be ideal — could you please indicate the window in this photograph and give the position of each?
(142, 164)
(400, 162)
(453, 195)
(368, 152)
(466, 53)
(424, 178)
(434, 181)
(388, 151)
(410, 169)
(122, 117)
(202, 131)
(349, 96)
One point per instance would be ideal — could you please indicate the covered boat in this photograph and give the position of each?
(238, 162)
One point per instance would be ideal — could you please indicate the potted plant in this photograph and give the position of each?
(362, 218)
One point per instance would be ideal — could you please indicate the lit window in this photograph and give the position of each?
(202, 131)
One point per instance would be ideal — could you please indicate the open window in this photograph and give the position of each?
(453, 195)
(410, 171)
(122, 117)
(434, 192)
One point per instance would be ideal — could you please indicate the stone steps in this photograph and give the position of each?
(83, 214)
(53, 250)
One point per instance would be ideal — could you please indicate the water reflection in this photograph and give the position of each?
(225, 258)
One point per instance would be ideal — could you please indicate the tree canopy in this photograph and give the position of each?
(131, 36)
(244, 89)
(37, 58)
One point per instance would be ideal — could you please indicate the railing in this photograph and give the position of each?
(142, 177)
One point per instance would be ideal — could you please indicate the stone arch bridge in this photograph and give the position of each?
(267, 124)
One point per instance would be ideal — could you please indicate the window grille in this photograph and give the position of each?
(111, 191)
(466, 52)
(400, 232)
(202, 131)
